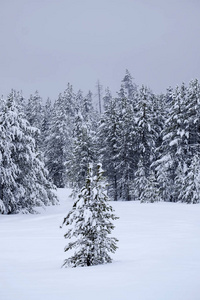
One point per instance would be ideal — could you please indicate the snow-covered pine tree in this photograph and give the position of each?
(83, 153)
(145, 135)
(79, 102)
(158, 119)
(116, 137)
(9, 191)
(33, 111)
(139, 182)
(90, 224)
(192, 117)
(107, 99)
(24, 180)
(69, 102)
(46, 124)
(173, 150)
(166, 186)
(150, 192)
(59, 141)
(179, 183)
(130, 89)
(126, 150)
(108, 146)
(20, 100)
(90, 115)
(188, 182)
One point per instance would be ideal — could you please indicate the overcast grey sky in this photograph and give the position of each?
(46, 43)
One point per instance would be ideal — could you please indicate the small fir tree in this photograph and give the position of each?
(89, 224)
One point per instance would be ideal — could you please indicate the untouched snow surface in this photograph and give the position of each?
(158, 256)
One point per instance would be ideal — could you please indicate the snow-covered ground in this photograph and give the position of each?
(158, 256)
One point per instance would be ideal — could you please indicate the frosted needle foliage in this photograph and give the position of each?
(89, 224)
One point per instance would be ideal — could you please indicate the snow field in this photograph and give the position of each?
(158, 256)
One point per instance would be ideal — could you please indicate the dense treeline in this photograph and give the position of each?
(148, 144)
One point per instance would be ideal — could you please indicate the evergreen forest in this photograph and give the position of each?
(148, 144)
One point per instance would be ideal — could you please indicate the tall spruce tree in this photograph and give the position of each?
(34, 115)
(83, 153)
(9, 191)
(108, 147)
(174, 149)
(24, 181)
(107, 99)
(89, 224)
(117, 139)
(90, 115)
(59, 141)
(47, 115)
(192, 116)
(145, 136)
(130, 89)
(126, 150)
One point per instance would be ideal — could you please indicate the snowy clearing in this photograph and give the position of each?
(158, 256)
